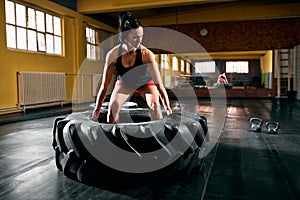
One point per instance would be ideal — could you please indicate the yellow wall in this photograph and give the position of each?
(266, 62)
(13, 61)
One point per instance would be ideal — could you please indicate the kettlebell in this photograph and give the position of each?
(272, 127)
(255, 124)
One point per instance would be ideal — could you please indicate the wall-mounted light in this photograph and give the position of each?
(203, 32)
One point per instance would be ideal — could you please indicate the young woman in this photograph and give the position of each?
(137, 71)
(222, 79)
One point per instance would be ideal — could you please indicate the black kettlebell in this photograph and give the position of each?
(272, 127)
(255, 124)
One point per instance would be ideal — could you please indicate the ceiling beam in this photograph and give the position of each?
(103, 6)
(225, 55)
(237, 12)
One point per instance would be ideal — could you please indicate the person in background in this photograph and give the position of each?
(222, 79)
(137, 71)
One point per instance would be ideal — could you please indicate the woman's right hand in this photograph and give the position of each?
(96, 114)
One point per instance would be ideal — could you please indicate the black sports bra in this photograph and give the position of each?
(134, 76)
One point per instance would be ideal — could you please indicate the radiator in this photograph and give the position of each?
(36, 88)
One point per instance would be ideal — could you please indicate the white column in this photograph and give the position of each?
(277, 70)
(297, 70)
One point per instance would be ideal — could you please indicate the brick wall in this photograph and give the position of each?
(245, 35)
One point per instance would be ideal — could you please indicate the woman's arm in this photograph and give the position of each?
(226, 80)
(155, 74)
(108, 71)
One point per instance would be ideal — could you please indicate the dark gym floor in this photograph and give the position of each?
(243, 164)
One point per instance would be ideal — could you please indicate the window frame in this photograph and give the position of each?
(38, 46)
(91, 43)
(175, 64)
(100, 35)
(235, 71)
(164, 61)
(205, 67)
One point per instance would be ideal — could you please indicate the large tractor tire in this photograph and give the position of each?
(96, 152)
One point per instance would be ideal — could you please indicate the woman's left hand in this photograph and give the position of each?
(169, 111)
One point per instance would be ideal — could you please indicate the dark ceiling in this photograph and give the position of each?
(111, 18)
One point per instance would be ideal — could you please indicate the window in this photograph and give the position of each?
(31, 29)
(90, 43)
(205, 67)
(174, 63)
(237, 67)
(94, 36)
(188, 67)
(182, 64)
(164, 61)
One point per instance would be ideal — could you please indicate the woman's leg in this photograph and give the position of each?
(118, 97)
(151, 95)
